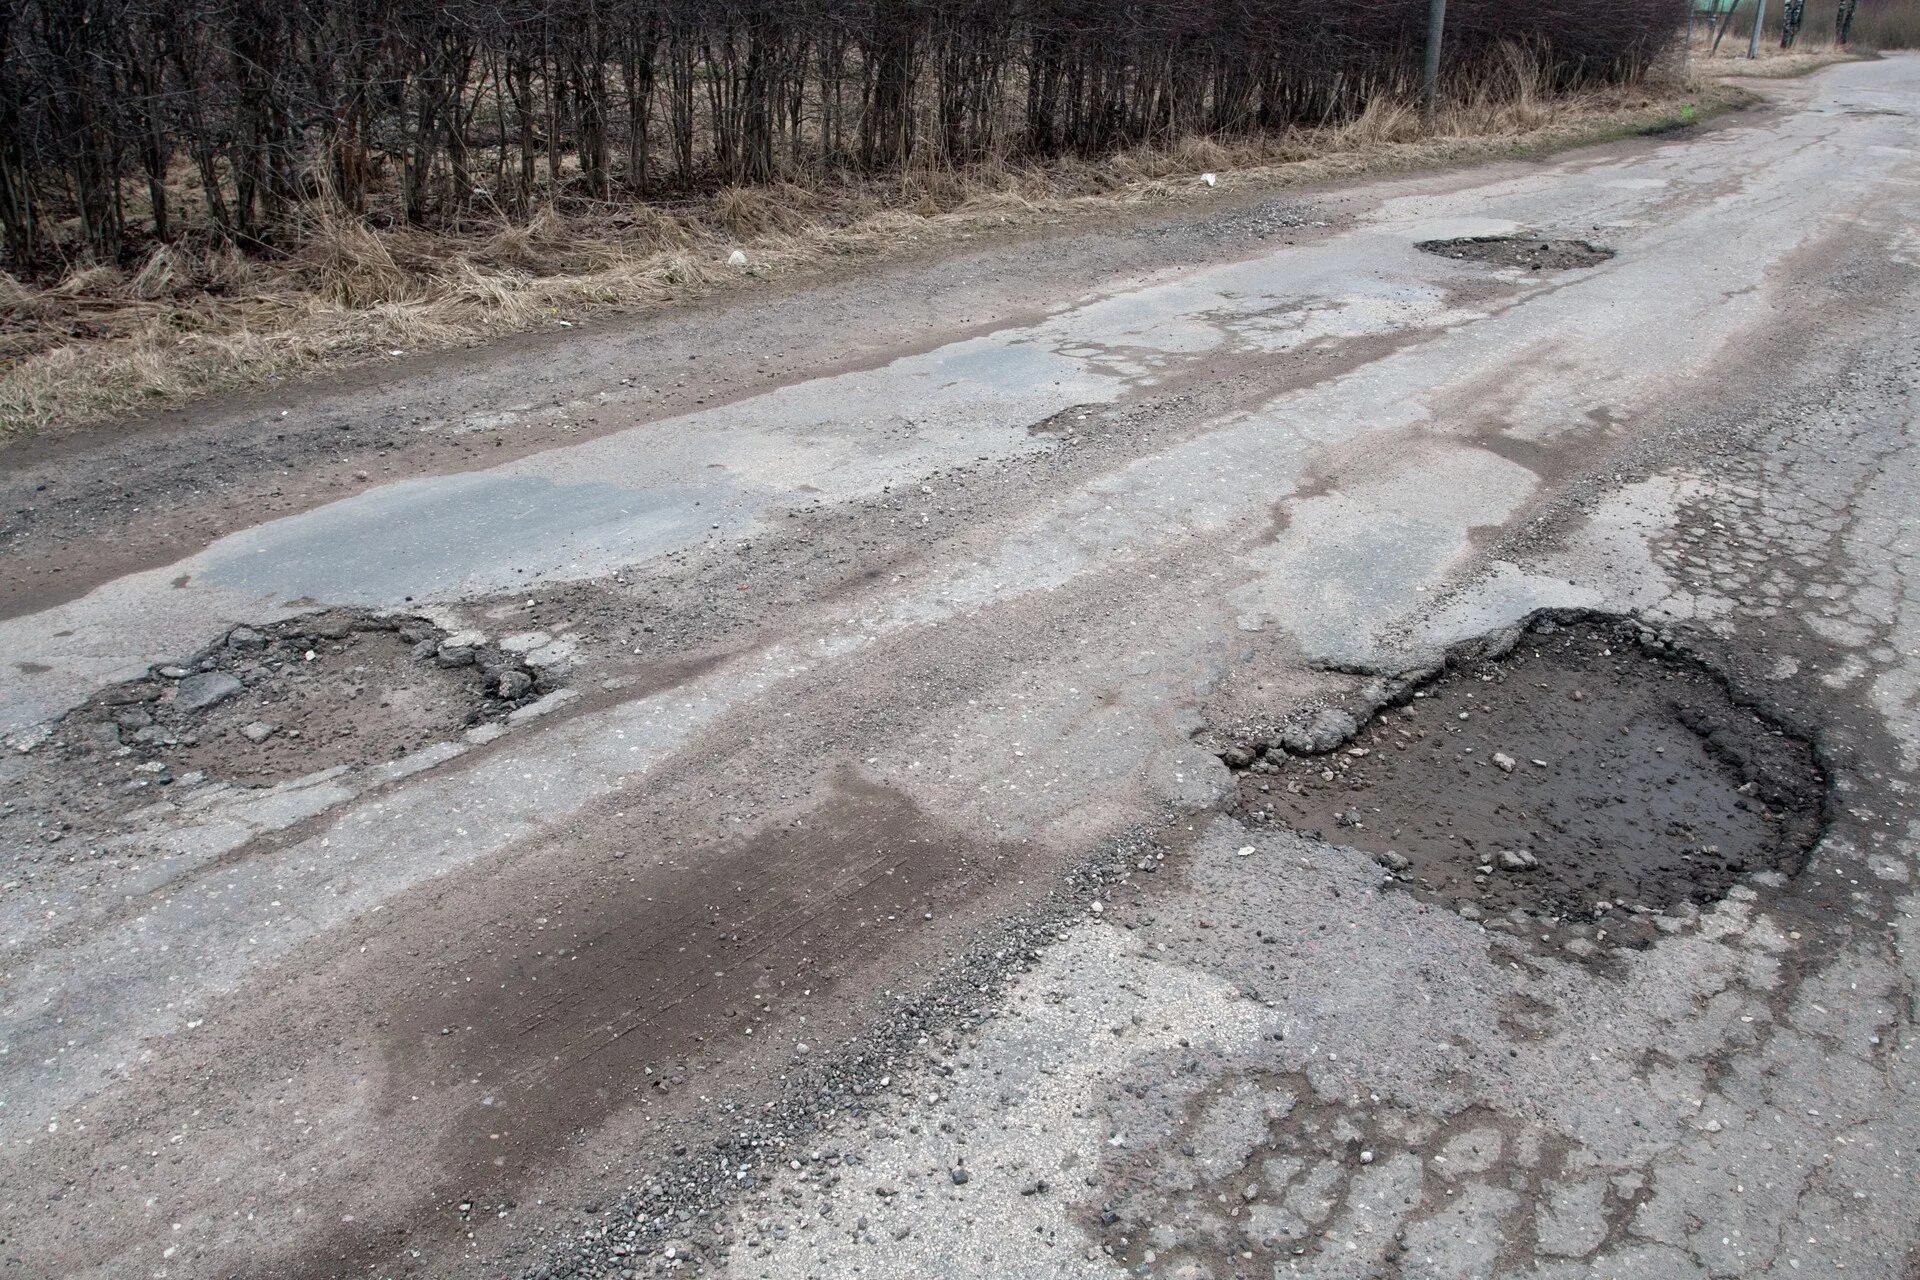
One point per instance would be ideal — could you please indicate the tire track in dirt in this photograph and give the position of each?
(550, 1025)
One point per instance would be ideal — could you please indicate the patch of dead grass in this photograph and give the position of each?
(1774, 63)
(103, 342)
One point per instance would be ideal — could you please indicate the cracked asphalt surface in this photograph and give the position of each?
(861, 892)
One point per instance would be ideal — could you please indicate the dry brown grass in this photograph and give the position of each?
(104, 342)
(1773, 64)
(1887, 24)
(1810, 53)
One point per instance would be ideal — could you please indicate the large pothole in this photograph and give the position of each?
(1591, 774)
(266, 704)
(1520, 251)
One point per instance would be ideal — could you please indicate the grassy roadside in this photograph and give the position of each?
(105, 342)
(1774, 63)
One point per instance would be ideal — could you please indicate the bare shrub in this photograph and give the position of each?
(276, 127)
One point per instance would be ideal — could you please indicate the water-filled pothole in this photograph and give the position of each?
(1520, 251)
(1591, 773)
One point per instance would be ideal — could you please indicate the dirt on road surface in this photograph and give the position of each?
(1520, 251)
(1239, 746)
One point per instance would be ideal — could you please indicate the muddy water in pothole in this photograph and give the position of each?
(1580, 776)
(1520, 251)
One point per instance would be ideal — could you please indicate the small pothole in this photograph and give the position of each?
(1519, 251)
(1592, 774)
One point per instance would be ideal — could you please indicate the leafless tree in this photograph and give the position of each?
(129, 122)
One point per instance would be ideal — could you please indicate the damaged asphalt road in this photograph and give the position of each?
(846, 830)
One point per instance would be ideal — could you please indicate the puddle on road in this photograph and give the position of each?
(1519, 251)
(1587, 777)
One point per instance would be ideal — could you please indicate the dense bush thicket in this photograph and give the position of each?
(123, 121)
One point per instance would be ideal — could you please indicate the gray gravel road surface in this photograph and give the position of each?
(847, 880)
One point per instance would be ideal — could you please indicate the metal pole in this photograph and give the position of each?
(1759, 20)
(1436, 24)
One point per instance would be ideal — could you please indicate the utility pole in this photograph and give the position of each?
(1759, 20)
(1436, 25)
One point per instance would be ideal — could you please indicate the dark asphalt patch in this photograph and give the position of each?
(1588, 776)
(1519, 251)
